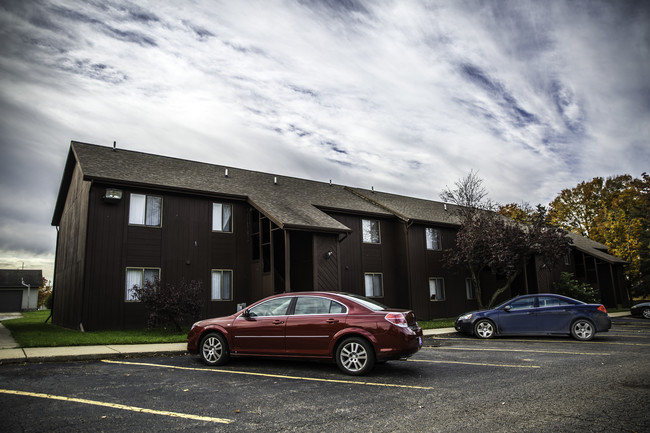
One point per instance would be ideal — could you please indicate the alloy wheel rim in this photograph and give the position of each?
(646, 313)
(212, 349)
(354, 356)
(484, 329)
(583, 330)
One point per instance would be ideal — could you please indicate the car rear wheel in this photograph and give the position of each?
(484, 329)
(355, 356)
(645, 313)
(214, 349)
(583, 330)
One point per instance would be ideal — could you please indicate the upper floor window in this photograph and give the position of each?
(145, 210)
(370, 230)
(374, 286)
(433, 239)
(436, 289)
(221, 217)
(221, 285)
(138, 277)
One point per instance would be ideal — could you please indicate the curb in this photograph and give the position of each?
(88, 353)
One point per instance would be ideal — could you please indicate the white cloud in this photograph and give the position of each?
(403, 96)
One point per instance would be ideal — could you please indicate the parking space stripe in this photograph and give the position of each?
(559, 352)
(117, 406)
(278, 376)
(615, 343)
(482, 364)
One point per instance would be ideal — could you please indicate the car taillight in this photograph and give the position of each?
(397, 319)
(603, 309)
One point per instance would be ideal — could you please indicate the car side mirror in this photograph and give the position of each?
(507, 308)
(246, 314)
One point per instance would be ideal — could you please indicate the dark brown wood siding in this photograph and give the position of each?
(71, 254)
(184, 247)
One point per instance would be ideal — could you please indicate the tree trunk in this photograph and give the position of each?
(509, 281)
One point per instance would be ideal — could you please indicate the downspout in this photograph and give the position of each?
(29, 287)
(56, 255)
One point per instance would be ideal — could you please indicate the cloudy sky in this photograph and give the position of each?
(403, 96)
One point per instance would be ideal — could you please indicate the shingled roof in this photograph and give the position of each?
(13, 278)
(290, 202)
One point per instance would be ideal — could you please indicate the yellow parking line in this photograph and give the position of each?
(483, 364)
(117, 406)
(278, 376)
(559, 352)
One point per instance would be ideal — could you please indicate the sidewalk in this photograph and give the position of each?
(10, 353)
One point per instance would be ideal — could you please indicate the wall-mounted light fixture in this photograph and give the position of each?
(112, 195)
(328, 255)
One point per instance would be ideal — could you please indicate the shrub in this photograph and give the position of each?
(170, 303)
(568, 286)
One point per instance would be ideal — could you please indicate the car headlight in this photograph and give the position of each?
(465, 317)
(194, 324)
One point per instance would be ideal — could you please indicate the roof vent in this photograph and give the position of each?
(275, 180)
(114, 146)
(226, 173)
(445, 206)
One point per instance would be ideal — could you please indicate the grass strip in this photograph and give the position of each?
(32, 331)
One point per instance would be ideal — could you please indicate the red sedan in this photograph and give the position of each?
(352, 330)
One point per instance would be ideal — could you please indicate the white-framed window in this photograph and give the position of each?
(374, 285)
(470, 289)
(137, 277)
(145, 210)
(221, 217)
(433, 239)
(436, 289)
(370, 229)
(221, 285)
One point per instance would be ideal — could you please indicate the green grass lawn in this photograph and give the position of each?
(31, 331)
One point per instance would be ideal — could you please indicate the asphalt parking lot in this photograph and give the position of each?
(455, 383)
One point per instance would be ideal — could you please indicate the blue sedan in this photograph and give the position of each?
(541, 314)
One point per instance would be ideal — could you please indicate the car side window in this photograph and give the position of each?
(314, 305)
(551, 301)
(522, 304)
(273, 307)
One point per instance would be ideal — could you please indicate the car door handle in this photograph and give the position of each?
(332, 321)
(278, 322)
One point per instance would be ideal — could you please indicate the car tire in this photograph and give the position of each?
(583, 330)
(214, 349)
(355, 356)
(645, 313)
(484, 329)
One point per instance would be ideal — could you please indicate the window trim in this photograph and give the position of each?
(442, 289)
(126, 276)
(232, 211)
(434, 247)
(365, 287)
(146, 197)
(363, 232)
(232, 277)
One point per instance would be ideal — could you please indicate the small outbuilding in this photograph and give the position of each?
(19, 289)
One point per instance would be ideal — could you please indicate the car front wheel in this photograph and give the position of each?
(583, 330)
(645, 313)
(484, 329)
(355, 356)
(214, 349)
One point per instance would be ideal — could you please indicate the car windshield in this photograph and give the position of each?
(368, 303)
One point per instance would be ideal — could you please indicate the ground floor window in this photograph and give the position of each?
(436, 289)
(470, 289)
(221, 285)
(137, 277)
(374, 286)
